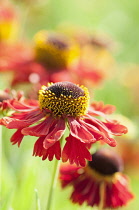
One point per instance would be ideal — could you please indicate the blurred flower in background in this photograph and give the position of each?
(101, 183)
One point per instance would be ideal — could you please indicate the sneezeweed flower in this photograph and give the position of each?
(101, 183)
(47, 61)
(54, 50)
(62, 105)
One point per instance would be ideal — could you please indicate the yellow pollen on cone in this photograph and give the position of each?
(64, 105)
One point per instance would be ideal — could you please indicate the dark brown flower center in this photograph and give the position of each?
(67, 89)
(106, 162)
(58, 42)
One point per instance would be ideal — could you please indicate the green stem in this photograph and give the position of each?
(38, 207)
(53, 184)
(53, 180)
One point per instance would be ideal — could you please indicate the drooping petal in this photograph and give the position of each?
(49, 153)
(117, 193)
(17, 137)
(28, 115)
(86, 189)
(78, 195)
(54, 150)
(98, 135)
(12, 123)
(40, 129)
(79, 131)
(93, 196)
(68, 173)
(75, 151)
(98, 124)
(108, 127)
(99, 131)
(21, 106)
(25, 119)
(115, 128)
(110, 141)
(57, 131)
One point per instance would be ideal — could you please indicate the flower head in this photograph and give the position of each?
(100, 183)
(62, 105)
(29, 67)
(64, 99)
(54, 51)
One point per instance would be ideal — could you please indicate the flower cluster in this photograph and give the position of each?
(56, 71)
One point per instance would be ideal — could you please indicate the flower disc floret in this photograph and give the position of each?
(64, 99)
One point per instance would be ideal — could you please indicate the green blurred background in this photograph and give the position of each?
(25, 179)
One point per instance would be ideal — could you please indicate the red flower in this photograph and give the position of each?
(100, 183)
(46, 62)
(62, 105)
(50, 60)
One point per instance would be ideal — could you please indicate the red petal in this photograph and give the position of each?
(79, 131)
(40, 129)
(106, 109)
(68, 173)
(13, 123)
(49, 153)
(75, 151)
(21, 106)
(17, 137)
(56, 133)
(25, 119)
(115, 128)
(98, 135)
(110, 141)
(118, 194)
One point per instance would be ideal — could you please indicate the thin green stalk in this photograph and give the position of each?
(53, 184)
(53, 180)
(38, 206)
